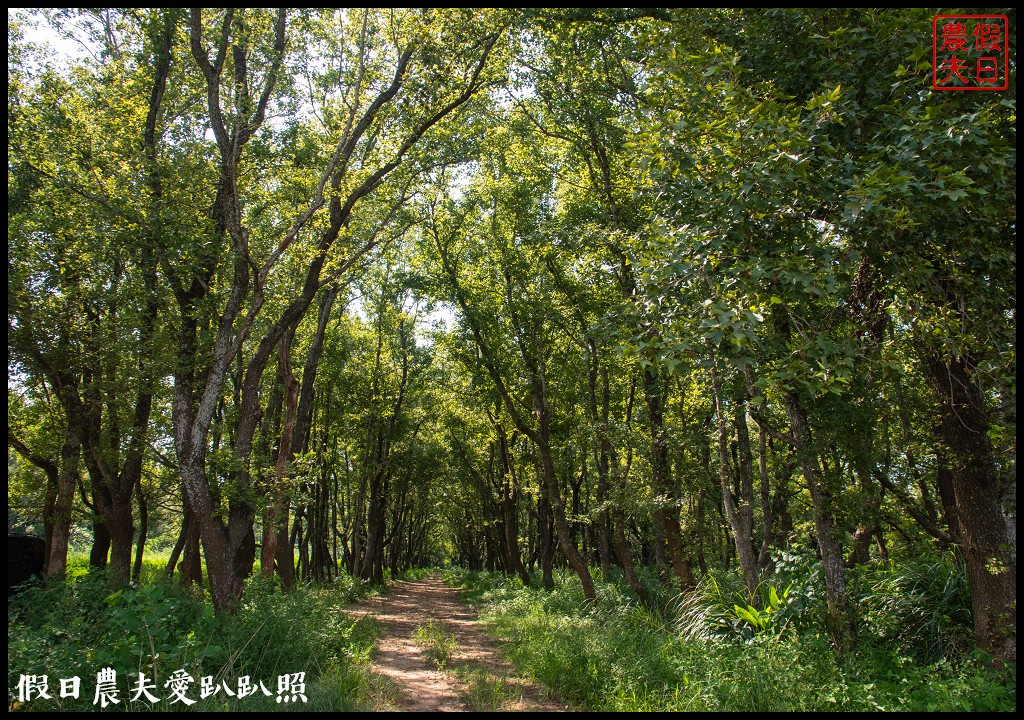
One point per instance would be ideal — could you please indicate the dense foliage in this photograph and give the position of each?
(159, 628)
(720, 303)
(618, 656)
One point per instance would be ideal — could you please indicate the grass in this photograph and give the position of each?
(482, 690)
(157, 628)
(438, 644)
(618, 656)
(487, 692)
(696, 653)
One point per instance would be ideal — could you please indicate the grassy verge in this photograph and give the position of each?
(619, 656)
(159, 629)
(487, 691)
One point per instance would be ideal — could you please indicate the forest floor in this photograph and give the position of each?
(434, 651)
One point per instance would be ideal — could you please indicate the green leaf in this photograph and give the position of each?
(745, 614)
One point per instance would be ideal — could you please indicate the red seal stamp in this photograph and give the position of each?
(970, 52)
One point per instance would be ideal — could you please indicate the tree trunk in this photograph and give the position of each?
(275, 516)
(122, 535)
(358, 523)
(562, 525)
(655, 390)
(865, 532)
(658, 542)
(191, 565)
(622, 550)
(702, 562)
(52, 471)
(140, 544)
(99, 550)
(741, 518)
(510, 508)
(303, 425)
(57, 563)
(546, 542)
(285, 557)
(764, 558)
(602, 452)
(963, 432)
(179, 545)
(944, 481)
(831, 550)
(374, 530)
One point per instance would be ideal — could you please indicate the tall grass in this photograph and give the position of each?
(923, 607)
(617, 655)
(79, 628)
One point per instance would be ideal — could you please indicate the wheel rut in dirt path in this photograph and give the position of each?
(418, 620)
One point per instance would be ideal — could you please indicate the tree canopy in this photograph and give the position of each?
(349, 291)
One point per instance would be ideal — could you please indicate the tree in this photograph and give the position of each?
(528, 334)
(650, 229)
(83, 294)
(369, 142)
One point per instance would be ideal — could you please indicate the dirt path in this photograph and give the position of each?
(418, 620)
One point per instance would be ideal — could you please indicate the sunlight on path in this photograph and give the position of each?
(475, 677)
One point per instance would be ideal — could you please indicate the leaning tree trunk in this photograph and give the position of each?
(562, 533)
(542, 439)
(52, 471)
(831, 550)
(619, 530)
(510, 489)
(546, 542)
(187, 549)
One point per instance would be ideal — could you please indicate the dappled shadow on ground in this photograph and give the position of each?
(475, 675)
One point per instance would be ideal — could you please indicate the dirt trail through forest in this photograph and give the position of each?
(475, 675)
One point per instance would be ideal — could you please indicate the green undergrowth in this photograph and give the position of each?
(160, 628)
(413, 574)
(437, 643)
(725, 652)
(487, 691)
